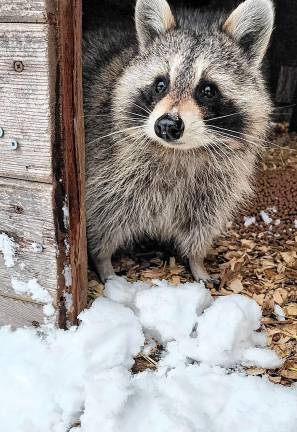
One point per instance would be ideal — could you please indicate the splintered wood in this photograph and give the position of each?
(257, 257)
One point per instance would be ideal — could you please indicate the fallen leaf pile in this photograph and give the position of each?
(257, 259)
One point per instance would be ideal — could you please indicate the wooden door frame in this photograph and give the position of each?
(69, 157)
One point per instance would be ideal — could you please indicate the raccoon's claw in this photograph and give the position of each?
(215, 282)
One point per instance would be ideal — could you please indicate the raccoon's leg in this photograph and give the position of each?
(197, 267)
(103, 266)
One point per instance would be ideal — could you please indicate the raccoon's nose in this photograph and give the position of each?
(169, 127)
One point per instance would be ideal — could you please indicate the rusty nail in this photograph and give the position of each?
(18, 66)
(1, 132)
(14, 144)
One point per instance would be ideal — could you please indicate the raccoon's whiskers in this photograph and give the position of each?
(216, 163)
(261, 140)
(241, 134)
(227, 135)
(224, 116)
(110, 114)
(114, 133)
(217, 150)
(240, 161)
(139, 115)
(144, 109)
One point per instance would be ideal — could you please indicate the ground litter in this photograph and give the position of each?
(80, 380)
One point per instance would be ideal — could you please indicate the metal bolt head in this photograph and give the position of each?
(37, 248)
(1, 132)
(18, 66)
(13, 144)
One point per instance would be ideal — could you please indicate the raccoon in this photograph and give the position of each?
(175, 113)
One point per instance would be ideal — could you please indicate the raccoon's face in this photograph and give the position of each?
(192, 87)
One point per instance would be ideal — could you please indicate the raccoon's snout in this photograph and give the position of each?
(169, 127)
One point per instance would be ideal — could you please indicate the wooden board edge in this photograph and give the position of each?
(69, 162)
(47, 16)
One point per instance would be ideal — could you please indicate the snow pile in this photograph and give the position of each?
(49, 382)
(162, 307)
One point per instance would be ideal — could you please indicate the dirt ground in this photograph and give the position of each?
(257, 259)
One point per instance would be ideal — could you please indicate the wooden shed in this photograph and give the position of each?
(43, 256)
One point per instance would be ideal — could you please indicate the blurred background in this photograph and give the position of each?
(281, 57)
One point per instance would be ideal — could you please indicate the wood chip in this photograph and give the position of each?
(236, 286)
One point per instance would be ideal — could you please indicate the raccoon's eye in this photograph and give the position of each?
(161, 85)
(207, 91)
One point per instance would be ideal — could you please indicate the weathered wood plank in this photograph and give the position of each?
(287, 84)
(26, 216)
(27, 100)
(72, 171)
(33, 11)
(18, 313)
(293, 122)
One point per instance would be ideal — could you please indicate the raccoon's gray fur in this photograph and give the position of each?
(181, 180)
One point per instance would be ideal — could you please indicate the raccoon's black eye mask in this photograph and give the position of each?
(150, 95)
(218, 110)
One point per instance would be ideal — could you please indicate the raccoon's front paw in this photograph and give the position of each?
(198, 270)
(104, 268)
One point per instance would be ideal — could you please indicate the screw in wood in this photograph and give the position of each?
(18, 66)
(13, 144)
(1, 132)
(37, 248)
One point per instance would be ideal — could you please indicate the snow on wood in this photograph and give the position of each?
(28, 280)
(27, 100)
(25, 10)
(7, 247)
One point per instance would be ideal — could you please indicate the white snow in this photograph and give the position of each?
(7, 247)
(279, 312)
(295, 223)
(68, 301)
(227, 334)
(65, 210)
(67, 247)
(249, 220)
(67, 275)
(50, 381)
(265, 217)
(31, 288)
(179, 305)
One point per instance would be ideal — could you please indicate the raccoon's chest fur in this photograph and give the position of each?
(164, 197)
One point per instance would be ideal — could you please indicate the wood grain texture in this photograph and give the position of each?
(18, 313)
(287, 84)
(26, 216)
(34, 11)
(72, 149)
(27, 101)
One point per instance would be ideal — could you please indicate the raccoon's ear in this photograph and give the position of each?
(152, 17)
(251, 25)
